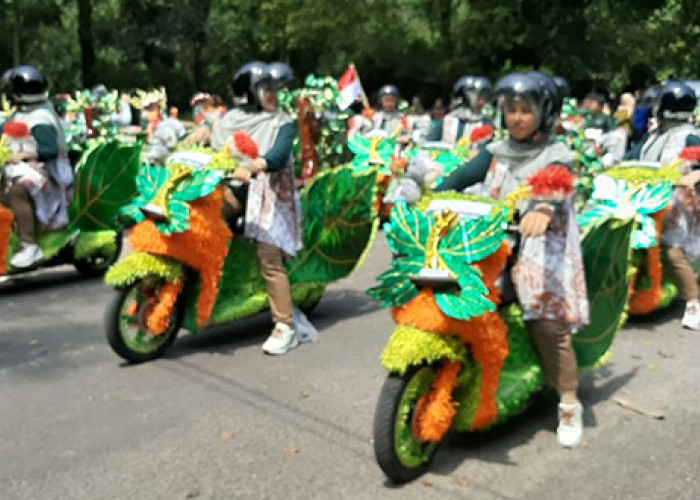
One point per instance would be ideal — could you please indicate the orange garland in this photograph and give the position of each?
(646, 301)
(203, 247)
(6, 217)
(440, 410)
(159, 318)
(487, 336)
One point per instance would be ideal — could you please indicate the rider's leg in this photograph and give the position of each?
(18, 199)
(688, 284)
(553, 341)
(232, 206)
(279, 292)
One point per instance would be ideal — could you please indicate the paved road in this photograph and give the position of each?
(216, 419)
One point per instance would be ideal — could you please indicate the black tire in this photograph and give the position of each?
(96, 265)
(116, 336)
(386, 418)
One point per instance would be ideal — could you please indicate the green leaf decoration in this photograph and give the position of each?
(606, 257)
(198, 185)
(372, 152)
(473, 240)
(105, 181)
(407, 230)
(470, 301)
(339, 225)
(395, 288)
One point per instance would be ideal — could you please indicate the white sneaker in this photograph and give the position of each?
(281, 340)
(691, 318)
(28, 255)
(570, 429)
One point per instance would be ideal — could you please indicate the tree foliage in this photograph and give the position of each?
(420, 45)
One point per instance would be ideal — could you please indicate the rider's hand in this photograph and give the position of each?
(689, 180)
(21, 156)
(199, 136)
(403, 140)
(258, 165)
(536, 221)
(242, 174)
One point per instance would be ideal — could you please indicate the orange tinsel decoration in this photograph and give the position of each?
(691, 153)
(159, 318)
(487, 336)
(203, 247)
(555, 180)
(480, 134)
(245, 144)
(646, 301)
(6, 217)
(440, 410)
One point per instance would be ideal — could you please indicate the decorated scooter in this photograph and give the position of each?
(104, 181)
(460, 357)
(189, 270)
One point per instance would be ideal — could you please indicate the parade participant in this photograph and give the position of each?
(597, 119)
(470, 94)
(552, 295)
(201, 103)
(270, 201)
(169, 132)
(388, 120)
(46, 195)
(674, 106)
(123, 116)
(360, 121)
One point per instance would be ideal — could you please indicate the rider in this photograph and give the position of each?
(470, 94)
(388, 120)
(597, 119)
(270, 201)
(674, 106)
(48, 198)
(530, 115)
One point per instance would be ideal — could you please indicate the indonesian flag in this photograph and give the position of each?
(350, 87)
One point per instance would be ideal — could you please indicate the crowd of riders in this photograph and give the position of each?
(528, 110)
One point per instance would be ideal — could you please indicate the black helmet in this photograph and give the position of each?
(564, 90)
(467, 90)
(27, 85)
(389, 90)
(247, 83)
(5, 80)
(675, 101)
(282, 75)
(648, 99)
(523, 87)
(550, 112)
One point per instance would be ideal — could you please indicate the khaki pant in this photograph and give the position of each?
(684, 273)
(553, 342)
(272, 268)
(18, 199)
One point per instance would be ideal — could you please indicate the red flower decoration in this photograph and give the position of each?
(555, 180)
(691, 153)
(245, 144)
(483, 133)
(16, 130)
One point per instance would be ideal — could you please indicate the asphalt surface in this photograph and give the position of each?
(217, 419)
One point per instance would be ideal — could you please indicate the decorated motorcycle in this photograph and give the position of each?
(188, 270)
(459, 356)
(647, 191)
(104, 181)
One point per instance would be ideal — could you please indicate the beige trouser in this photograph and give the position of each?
(684, 273)
(553, 342)
(18, 199)
(271, 266)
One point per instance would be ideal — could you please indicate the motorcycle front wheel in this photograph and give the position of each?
(399, 451)
(125, 322)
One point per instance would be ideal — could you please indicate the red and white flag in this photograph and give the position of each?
(350, 87)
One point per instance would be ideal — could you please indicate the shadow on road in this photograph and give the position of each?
(337, 305)
(495, 445)
(39, 281)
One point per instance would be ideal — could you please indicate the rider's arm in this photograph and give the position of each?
(468, 174)
(278, 157)
(636, 152)
(46, 139)
(692, 140)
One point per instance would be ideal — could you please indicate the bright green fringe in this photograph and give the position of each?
(409, 346)
(645, 175)
(139, 265)
(95, 243)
